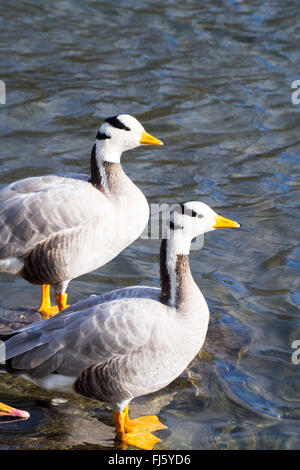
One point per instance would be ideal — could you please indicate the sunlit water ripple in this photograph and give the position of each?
(214, 82)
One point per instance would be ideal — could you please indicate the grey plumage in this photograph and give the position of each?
(62, 227)
(121, 338)
(33, 209)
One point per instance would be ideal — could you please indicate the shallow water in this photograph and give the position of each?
(213, 80)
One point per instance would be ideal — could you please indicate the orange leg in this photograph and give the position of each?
(6, 410)
(136, 432)
(61, 300)
(45, 307)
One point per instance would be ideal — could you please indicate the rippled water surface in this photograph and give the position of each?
(213, 80)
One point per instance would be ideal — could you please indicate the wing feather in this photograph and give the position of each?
(68, 343)
(34, 209)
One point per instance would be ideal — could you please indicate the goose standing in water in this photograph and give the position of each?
(128, 342)
(55, 228)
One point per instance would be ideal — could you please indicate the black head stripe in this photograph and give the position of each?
(190, 212)
(102, 136)
(115, 122)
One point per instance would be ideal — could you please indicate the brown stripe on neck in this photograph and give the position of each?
(183, 272)
(112, 170)
(182, 276)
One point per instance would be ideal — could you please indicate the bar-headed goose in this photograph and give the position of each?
(126, 343)
(55, 228)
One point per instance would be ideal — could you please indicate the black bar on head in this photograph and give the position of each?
(115, 122)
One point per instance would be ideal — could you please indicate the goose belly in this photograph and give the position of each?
(172, 348)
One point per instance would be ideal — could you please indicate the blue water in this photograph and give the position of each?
(213, 81)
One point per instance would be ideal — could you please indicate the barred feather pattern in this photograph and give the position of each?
(102, 382)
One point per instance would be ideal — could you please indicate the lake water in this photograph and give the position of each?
(212, 80)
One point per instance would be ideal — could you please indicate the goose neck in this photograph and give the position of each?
(105, 167)
(177, 284)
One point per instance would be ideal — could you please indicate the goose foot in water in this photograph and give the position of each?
(136, 432)
(6, 410)
(46, 309)
(145, 440)
(143, 423)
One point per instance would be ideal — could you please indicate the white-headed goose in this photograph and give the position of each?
(55, 228)
(128, 342)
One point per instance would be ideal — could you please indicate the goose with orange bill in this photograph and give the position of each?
(55, 228)
(125, 343)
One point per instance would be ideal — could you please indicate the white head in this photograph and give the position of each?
(120, 133)
(192, 219)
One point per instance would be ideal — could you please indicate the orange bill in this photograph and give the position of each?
(222, 222)
(148, 139)
(6, 410)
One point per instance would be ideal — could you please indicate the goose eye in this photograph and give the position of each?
(193, 213)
